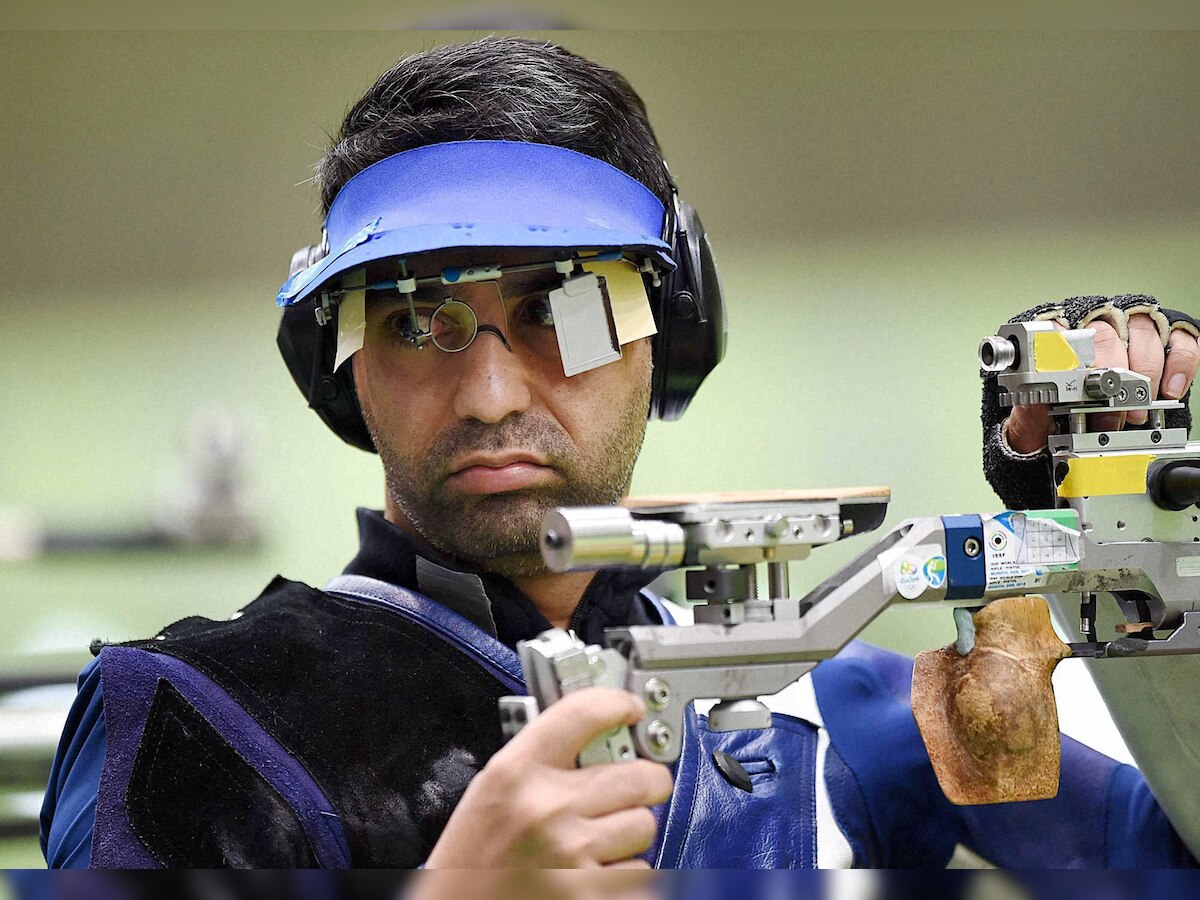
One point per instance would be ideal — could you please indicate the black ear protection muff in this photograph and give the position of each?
(687, 306)
(689, 312)
(309, 347)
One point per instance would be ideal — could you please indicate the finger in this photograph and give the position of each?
(609, 788)
(1180, 369)
(621, 835)
(1146, 357)
(1028, 428)
(1110, 354)
(566, 727)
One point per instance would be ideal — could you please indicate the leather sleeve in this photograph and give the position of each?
(1103, 817)
(69, 806)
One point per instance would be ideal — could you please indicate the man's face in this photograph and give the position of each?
(478, 445)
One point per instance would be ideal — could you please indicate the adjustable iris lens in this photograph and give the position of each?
(453, 326)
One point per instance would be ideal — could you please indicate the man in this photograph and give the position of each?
(511, 287)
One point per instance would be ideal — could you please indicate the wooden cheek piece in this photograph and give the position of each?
(988, 719)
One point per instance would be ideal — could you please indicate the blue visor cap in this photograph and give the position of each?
(483, 194)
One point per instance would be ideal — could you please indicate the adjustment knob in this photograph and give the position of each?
(1176, 485)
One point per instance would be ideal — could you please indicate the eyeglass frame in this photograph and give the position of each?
(406, 286)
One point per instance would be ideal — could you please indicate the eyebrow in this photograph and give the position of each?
(512, 285)
(520, 283)
(515, 284)
(425, 296)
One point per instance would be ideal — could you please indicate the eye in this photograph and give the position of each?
(536, 310)
(400, 323)
(454, 326)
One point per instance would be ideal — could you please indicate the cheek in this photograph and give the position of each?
(404, 400)
(375, 379)
(601, 398)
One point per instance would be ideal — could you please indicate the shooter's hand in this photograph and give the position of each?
(531, 806)
(1170, 373)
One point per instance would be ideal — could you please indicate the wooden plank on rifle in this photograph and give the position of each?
(773, 496)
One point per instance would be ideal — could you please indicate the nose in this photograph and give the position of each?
(493, 382)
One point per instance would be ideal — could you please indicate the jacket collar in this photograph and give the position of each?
(493, 603)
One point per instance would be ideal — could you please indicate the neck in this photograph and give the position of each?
(556, 595)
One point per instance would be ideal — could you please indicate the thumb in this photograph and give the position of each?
(1028, 428)
(561, 732)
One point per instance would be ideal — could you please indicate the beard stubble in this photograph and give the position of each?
(498, 533)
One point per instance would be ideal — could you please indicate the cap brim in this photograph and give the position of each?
(495, 194)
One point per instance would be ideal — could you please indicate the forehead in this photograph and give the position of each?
(433, 263)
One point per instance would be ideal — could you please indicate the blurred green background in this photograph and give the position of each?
(878, 202)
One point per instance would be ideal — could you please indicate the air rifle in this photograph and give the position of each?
(1125, 524)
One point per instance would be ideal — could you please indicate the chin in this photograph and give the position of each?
(515, 566)
(500, 540)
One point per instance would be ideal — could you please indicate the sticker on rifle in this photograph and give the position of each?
(934, 571)
(1187, 566)
(1024, 550)
(910, 580)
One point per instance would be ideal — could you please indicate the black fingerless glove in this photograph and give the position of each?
(1023, 481)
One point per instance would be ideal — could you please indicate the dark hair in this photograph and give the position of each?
(507, 88)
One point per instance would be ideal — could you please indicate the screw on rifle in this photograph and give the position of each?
(971, 547)
(659, 733)
(658, 694)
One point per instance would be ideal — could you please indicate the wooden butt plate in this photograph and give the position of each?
(988, 719)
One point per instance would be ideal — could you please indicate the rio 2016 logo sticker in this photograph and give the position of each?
(915, 576)
(935, 571)
(910, 581)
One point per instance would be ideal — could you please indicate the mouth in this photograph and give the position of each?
(496, 474)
